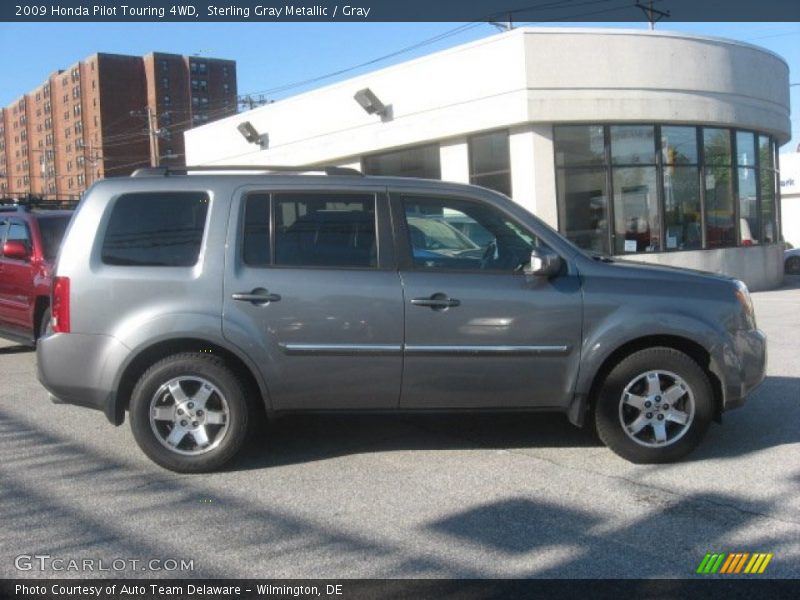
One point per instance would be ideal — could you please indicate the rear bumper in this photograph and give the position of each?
(742, 366)
(79, 369)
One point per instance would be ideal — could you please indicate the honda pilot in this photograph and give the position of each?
(195, 301)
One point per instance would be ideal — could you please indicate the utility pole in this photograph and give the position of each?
(653, 14)
(506, 25)
(250, 102)
(152, 132)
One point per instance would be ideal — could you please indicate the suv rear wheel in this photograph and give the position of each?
(189, 413)
(655, 406)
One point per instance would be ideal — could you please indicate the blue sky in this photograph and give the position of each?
(272, 55)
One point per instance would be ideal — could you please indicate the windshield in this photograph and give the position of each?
(52, 231)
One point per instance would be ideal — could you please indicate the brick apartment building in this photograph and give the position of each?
(94, 119)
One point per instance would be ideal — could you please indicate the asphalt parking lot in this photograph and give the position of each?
(436, 496)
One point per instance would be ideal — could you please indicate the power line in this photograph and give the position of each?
(550, 5)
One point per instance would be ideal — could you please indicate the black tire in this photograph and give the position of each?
(633, 433)
(792, 265)
(228, 398)
(44, 323)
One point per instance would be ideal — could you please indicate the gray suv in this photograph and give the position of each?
(197, 302)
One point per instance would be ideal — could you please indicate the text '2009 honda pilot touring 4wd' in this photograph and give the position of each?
(196, 301)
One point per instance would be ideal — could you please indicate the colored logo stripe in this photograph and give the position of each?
(734, 563)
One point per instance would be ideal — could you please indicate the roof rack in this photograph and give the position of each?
(166, 171)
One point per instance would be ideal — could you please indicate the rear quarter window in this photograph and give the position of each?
(156, 229)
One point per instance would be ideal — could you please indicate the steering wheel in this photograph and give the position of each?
(489, 254)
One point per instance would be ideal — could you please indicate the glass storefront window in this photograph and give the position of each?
(720, 228)
(679, 145)
(717, 146)
(682, 209)
(766, 155)
(419, 161)
(709, 184)
(768, 212)
(489, 161)
(745, 149)
(749, 229)
(633, 145)
(637, 227)
(579, 145)
(583, 208)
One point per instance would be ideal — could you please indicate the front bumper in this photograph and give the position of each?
(741, 365)
(80, 369)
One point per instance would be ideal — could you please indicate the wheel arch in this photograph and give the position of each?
(691, 348)
(151, 354)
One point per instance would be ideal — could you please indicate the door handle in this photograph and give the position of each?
(257, 296)
(437, 301)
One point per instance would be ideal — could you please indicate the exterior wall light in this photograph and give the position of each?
(251, 134)
(367, 99)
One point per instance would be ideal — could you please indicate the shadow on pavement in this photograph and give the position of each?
(64, 498)
(660, 543)
(768, 419)
(306, 438)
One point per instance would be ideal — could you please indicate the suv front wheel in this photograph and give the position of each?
(654, 406)
(189, 413)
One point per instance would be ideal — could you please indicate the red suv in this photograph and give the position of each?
(29, 239)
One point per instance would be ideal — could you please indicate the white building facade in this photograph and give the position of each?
(660, 147)
(790, 197)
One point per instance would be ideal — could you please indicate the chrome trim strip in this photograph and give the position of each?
(341, 349)
(418, 350)
(488, 350)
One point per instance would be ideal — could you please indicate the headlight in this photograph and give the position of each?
(743, 296)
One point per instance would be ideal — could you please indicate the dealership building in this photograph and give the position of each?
(790, 197)
(656, 146)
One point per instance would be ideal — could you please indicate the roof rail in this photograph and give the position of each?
(13, 208)
(26, 205)
(166, 171)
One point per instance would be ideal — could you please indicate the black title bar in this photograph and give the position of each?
(518, 11)
(733, 588)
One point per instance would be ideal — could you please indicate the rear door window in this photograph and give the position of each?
(325, 230)
(156, 229)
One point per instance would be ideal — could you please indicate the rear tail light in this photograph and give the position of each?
(60, 305)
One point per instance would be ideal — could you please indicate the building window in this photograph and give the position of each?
(768, 180)
(673, 187)
(165, 83)
(166, 100)
(749, 217)
(489, 161)
(683, 219)
(719, 206)
(633, 156)
(418, 161)
(164, 65)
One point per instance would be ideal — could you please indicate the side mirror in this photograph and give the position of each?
(544, 263)
(16, 250)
